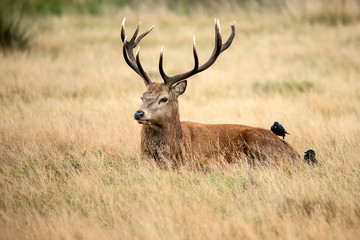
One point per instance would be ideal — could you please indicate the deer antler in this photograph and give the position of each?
(131, 60)
(219, 48)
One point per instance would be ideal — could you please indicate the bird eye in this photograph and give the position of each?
(163, 100)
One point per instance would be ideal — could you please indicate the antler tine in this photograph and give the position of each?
(219, 48)
(131, 60)
(143, 35)
(229, 41)
(196, 58)
(123, 35)
(135, 34)
(169, 81)
(141, 70)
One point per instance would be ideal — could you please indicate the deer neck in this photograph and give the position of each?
(165, 140)
(170, 130)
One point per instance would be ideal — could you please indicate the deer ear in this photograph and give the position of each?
(180, 87)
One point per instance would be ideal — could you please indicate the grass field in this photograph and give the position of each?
(69, 147)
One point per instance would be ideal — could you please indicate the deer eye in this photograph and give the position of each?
(163, 100)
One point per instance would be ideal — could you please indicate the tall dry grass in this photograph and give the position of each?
(70, 165)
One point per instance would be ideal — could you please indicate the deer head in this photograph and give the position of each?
(160, 104)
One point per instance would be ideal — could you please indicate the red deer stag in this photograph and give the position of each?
(165, 139)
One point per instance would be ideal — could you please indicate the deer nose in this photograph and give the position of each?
(138, 115)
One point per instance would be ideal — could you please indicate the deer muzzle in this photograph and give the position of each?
(138, 115)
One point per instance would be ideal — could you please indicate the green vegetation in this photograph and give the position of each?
(317, 11)
(12, 34)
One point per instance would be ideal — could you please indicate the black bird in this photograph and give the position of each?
(279, 130)
(309, 157)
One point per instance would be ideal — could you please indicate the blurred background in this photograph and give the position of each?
(14, 35)
(331, 10)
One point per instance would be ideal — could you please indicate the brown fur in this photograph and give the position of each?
(165, 138)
